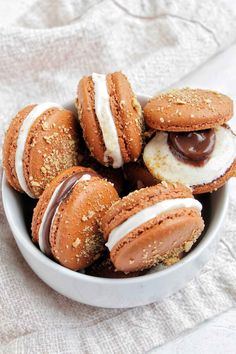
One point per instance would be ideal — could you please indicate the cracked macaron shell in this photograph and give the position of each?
(161, 239)
(75, 238)
(126, 112)
(188, 109)
(51, 146)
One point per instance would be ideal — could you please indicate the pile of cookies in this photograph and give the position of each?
(116, 183)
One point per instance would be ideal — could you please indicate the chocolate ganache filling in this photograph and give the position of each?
(194, 148)
(65, 188)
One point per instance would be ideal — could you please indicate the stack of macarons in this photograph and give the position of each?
(119, 200)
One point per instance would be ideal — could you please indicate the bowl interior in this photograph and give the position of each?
(19, 208)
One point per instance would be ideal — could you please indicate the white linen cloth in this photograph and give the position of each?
(45, 48)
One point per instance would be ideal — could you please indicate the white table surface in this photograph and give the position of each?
(218, 335)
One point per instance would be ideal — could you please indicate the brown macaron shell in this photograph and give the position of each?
(92, 133)
(51, 147)
(9, 147)
(75, 238)
(126, 112)
(188, 109)
(159, 239)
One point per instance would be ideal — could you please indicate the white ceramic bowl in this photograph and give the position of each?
(115, 293)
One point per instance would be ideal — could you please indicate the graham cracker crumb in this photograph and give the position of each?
(136, 106)
(34, 184)
(45, 125)
(179, 101)
(76, 243)
(122, 104)
(188, 245)
(171, 261)
(43, 169)
(164, 183)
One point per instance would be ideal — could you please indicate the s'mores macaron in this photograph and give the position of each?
(110, 117)
(65, 221)
(152, 225)
(40, 142)
(193, 144)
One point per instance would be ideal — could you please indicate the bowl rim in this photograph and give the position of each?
(25, 240)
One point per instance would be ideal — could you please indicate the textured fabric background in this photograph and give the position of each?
(44, 50)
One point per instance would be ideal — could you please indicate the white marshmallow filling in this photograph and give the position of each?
(147, 214)
(21, 141)
(106, 121)
(162, 163)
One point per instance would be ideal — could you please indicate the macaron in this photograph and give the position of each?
(152, 225)
(193, 145)
(111, 118)
(40, 142)
(65, 221)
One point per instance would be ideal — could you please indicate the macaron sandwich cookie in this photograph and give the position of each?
(110, 117)
(65, 220)
(152, 225)
(193, 144)
(40, 142)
